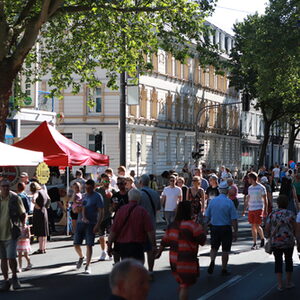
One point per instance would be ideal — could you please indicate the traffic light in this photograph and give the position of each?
(245, 101)
(199, 153)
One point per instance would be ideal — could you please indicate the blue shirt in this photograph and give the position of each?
(204, 184)
(91, 202)
(221, 211)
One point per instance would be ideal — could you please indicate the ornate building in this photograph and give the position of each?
(165, 121)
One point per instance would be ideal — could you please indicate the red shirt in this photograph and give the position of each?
(136, 227)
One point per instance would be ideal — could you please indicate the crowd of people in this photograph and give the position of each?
(122, 210)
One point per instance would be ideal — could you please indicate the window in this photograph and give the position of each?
(28, 89)
(95, 142)
(95, 101)
(91, 142)
(67, 135)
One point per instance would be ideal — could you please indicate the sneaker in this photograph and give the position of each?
(15, 283)
(224, 272)
(79, 263)
(29, 267)
(262, 243)
(290, 285)
(5, 286)
(254, 247)
(211, 267)
(87, 270)
(102, 257)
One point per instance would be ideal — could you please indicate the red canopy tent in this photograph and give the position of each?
(59, 150)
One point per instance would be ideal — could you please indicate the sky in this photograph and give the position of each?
(229, 12)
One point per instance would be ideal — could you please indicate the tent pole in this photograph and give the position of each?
(68, 207)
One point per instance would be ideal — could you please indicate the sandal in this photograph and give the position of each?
(38, 252)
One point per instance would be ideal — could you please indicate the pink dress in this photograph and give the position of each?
(23, 244)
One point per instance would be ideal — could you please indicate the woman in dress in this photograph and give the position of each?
(183, 237)
(180, 183)
(288, 189)
(196, 195)
(281, 227)
(40, 216)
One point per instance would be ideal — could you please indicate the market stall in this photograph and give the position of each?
(59, 150)
(15, 156)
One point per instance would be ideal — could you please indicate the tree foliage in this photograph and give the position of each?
(266, 61)
(70, 38)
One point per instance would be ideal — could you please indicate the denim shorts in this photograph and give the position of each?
(84, 232)
(8, 249)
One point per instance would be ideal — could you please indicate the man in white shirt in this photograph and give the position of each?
(171, 195)
(257, 203)
(276, 175)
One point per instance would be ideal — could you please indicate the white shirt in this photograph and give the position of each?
(276, 172)
(172, 195)
(256, 193)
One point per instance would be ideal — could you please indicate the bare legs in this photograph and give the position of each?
(25, 254)
(89, 252)
(42, 242)
(256, 229)
(183, 293)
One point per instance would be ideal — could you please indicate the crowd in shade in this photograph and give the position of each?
(121, 212)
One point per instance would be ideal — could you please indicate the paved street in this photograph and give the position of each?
(54, 275)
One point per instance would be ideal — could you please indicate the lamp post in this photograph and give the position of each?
(198, 150)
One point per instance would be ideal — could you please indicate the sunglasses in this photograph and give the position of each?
(120, 183)
(105, 181)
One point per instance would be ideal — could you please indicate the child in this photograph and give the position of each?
(23, 246)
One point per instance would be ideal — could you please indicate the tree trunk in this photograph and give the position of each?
(293, 132)
(5, 93)
(263, 148)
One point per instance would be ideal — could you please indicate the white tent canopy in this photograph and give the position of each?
(14, 156)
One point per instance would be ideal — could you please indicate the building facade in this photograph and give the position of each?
(165, 120)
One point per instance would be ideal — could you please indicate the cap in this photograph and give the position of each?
(223, 185)
(213, 176)
(24, 174)
(264, 179)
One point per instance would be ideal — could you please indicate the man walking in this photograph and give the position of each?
(222, 215)
(151, 202)
(131, 229)
(106, 193)
(12, 211)
(88, 224)
(171, 195)
(258, 208)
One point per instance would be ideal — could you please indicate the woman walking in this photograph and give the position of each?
(183, 237)
(289, 190)
(196, 195)
(281, 227)
(40, 216)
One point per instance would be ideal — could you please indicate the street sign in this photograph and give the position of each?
(190, 133)
(42, 173)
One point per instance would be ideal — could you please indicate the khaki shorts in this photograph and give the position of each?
(8, 249)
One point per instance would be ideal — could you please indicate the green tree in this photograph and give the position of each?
(73, 37)
(266, 62)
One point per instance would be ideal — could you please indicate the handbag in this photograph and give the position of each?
(268, 244)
